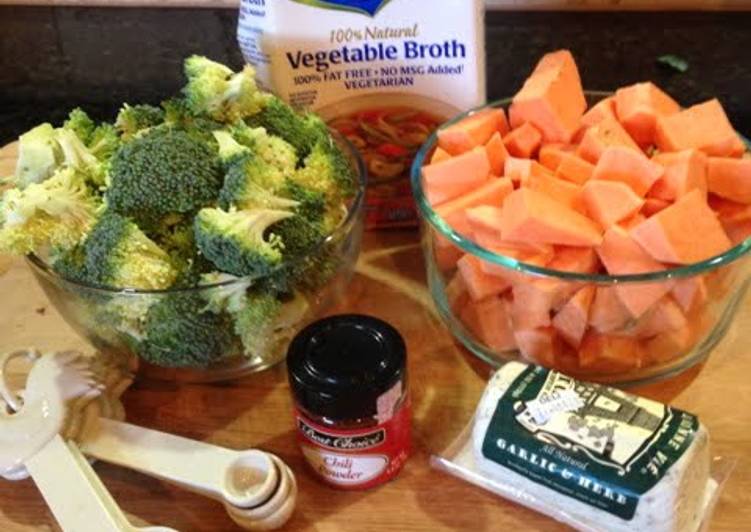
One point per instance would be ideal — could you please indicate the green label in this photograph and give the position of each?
(590, 442)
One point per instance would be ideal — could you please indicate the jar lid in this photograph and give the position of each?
(340, 366)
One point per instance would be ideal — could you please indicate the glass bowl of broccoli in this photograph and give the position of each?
(199, 235)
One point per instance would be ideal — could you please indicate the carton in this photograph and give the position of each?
(385, 73)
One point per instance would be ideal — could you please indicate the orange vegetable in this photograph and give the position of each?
(607, 313)
(687, 231)
(621, 255)
(537, 345)
(518, 170)
(653, 206)
(638, 106)
(485, 218)
(479, 284)
(490, 321)
(609, 202)
(730, 178)
(491, 193)
(552, 153)
(551, 99)
(531, 216)
(571, 321)
(684, 171)
(456, 176)
(439, 155)
(574, 259)
(457, 295)
(575, 169)
(603, 109)
(564, 192)
(604, 353)
(618, 163)
(473, 131)
(609, 132)
(703, 127)
(524, 141)
(497, 154)
(690, 292)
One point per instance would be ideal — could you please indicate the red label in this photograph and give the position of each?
(356, 459)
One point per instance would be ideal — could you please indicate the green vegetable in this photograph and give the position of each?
(673, 61)
(133, 119)
(236, 242)
(165, 171)
(58, 212)
(180, 332)
(38, 155)
(221, 185)
(302, 132)
(118, 254)
(216, 91)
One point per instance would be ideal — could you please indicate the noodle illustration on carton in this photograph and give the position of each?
(384, 73)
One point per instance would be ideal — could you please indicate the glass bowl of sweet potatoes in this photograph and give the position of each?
(604, 235)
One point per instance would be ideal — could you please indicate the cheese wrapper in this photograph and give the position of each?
(591, 456)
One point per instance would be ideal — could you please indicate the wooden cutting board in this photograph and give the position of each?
(446, 383)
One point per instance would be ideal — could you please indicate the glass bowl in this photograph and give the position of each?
(110, 319)
(614, 350)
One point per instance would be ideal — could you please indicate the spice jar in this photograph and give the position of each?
(349, 380)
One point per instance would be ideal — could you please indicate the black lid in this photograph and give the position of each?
(340, 366)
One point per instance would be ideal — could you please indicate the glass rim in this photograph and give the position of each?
(353, 210)
(437, 222)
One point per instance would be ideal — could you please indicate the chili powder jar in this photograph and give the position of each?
(348, 377)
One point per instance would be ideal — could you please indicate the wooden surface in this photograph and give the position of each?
(446, 383)
(507, 5)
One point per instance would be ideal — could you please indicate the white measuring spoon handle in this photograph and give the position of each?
(194, 465)
(75, 502)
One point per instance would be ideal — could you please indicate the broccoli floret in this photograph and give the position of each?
(179, 116)
(311, 204)
(81, 124)
(99, 141)
(302, 131)
(265, 323)
(327, 170)
(180, 332)
(231, 296)
(215, 90)
(39, 155)
(230, 151)
(104, 141)
(132, 119)
(119, 255)
(58, 212)
(236, 242)
(250, 183)
(273, 150)
(160, 173)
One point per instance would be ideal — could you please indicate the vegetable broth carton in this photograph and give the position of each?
(384, 73)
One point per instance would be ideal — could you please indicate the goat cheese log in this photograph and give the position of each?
(591, 455)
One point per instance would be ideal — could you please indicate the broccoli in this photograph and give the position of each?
(303, 132)
(236, 241)
(327, 171)
(250, 183)
(116, 253)
(99, 141)
(265, 323)
(180, 332)
(38, 156)
(162, 172)
(80, 123)
(230, 151)
(230, 295)
(179, 116)
(58, 212)
(216, 91)
(273, 150)
(133, 119)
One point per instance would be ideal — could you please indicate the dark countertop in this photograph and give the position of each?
(52, 59)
